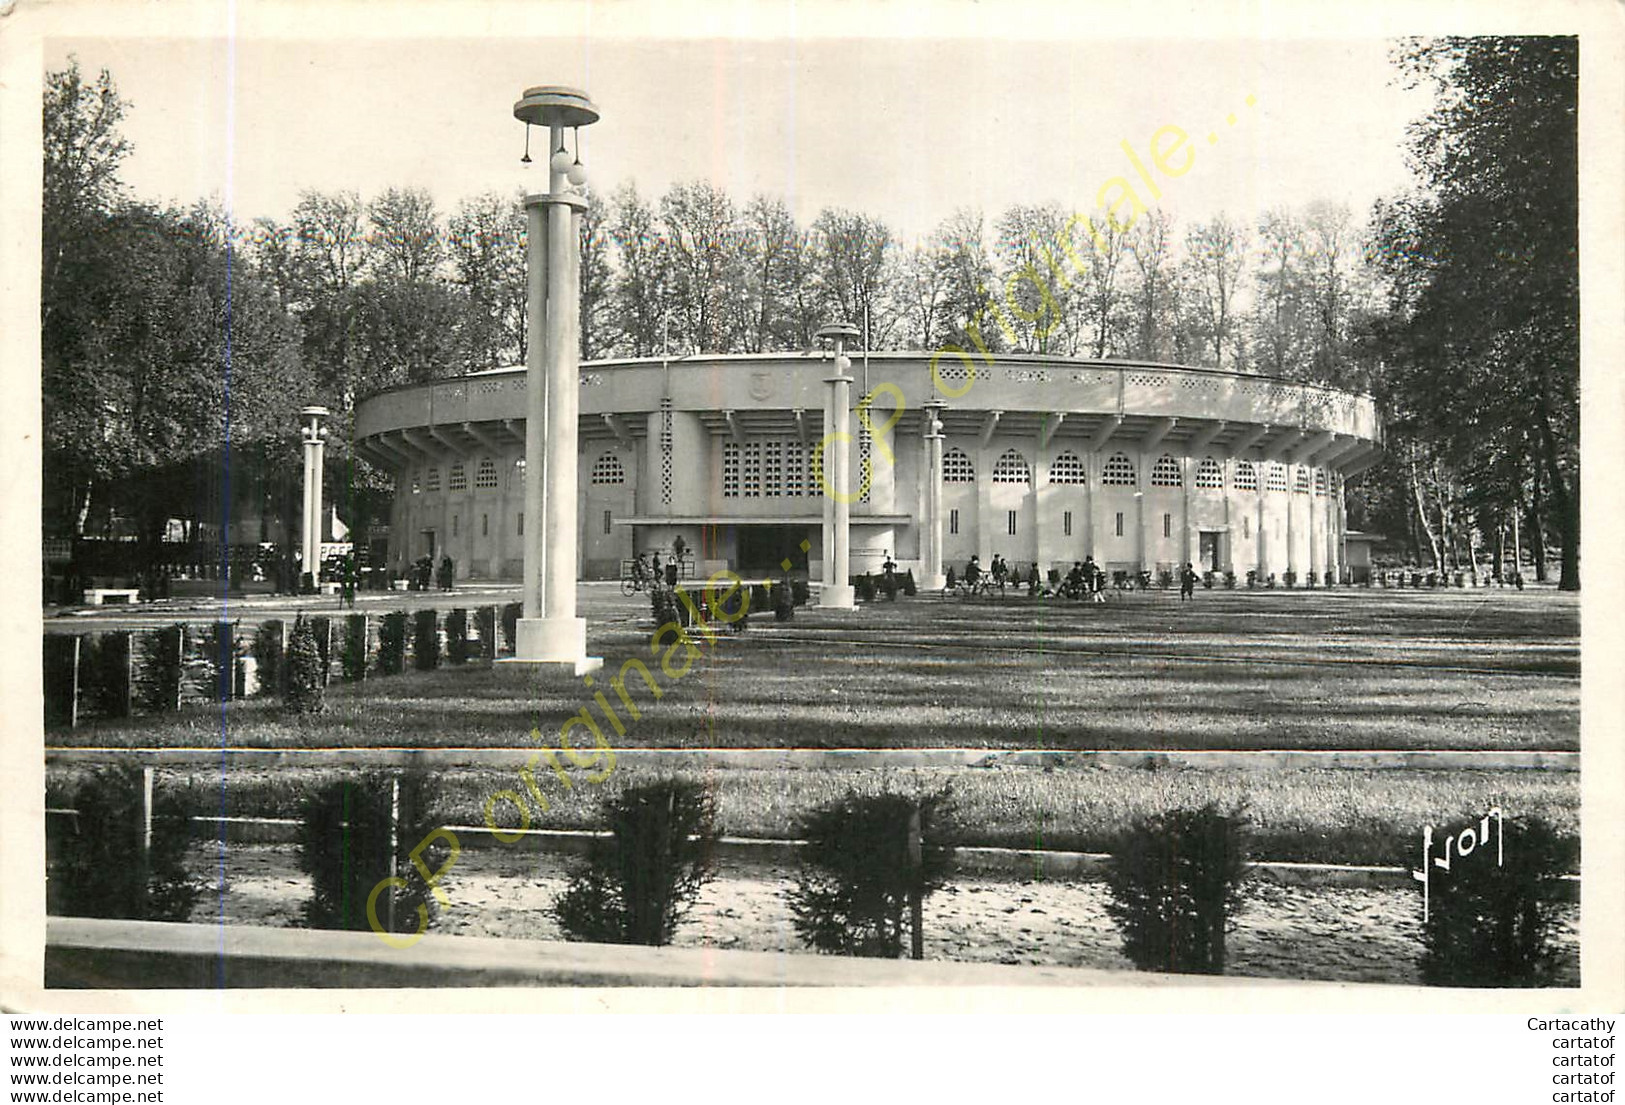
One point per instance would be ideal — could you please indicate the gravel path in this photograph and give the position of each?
(1283, 932)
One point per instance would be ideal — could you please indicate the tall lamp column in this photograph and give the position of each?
(310, 534)
(835, 456)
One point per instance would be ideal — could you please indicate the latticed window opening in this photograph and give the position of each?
(1165, 473)
(1011, 467)
(1066, 468)
(957, 467)
(1277, 476)
(431, 480)
(486, 474)
(607, 469)
(458, 479)
(1118, 472)
(730, 470)
(1209, 474)
(1246, 476)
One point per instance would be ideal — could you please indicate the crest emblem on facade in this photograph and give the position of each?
(761, 385)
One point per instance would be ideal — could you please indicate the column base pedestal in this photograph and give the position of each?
(553, 642)
(838, 597)
(933, 582)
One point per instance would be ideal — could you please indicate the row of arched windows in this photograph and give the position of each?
(1119, 471)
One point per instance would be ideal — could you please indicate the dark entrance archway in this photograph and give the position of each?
(764, 549)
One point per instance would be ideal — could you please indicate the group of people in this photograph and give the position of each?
(1086, 579)
(423, 570)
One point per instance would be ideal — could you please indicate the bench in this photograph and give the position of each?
(107, 596)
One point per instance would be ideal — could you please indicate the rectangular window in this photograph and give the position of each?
(1246, 528)
(1066, 524)
(1119, 523)
(454, 525)
(1011, 523)
(1167, 525)
(606, 523)
(521, 523)
(953, 521)
(485, 525)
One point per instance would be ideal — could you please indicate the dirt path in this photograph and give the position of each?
(1284, 932)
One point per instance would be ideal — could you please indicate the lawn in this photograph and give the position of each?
(1347, 669)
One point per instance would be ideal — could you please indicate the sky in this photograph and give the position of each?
(902, 127)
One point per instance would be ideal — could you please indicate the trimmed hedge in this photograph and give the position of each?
(457, 644)
(425, 640)
(110, 682)
(344, 846)
(98, 865)
(306, 693)
(270, 649)
(637, 887)
(321, 627)
(511, 613)
(485, 624)
(62, 679)
(392, 643)
(852, 894)
(162, 668)
(353, 659)
(1492, 925)
(1175, 881)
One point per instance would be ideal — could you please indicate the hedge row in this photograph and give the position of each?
(118, 673)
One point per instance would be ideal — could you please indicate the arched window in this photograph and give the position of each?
(1165, 473)
(431, 480)
(1246, 476)
(957, 467)
(1302, 481)
(1119, 471)
(1320, 481)
(486, 474)
(458, 479)
(1209, 474)
(607, 469)
(1275, 478)
(1066, 468)
(1012, 468)
(517, 479)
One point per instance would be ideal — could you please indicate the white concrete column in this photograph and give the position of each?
(840, 489)
(550, 632)
(315, 439)
(934, 579)
(1185, 512)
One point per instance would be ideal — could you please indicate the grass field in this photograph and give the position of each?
(1348, 669)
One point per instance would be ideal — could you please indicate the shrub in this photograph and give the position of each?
(425, 640)
(1492, 926)
(321, 628)
(1165, 578)
(392, 643)
(852, 893)
(220, 653)
(109, 683)
(784, 601)
(865, 585)
(162, 668)
(457, 648)
(510, 626)
(61, 674)
(1328, 579)
(98, 865)
(344, 846)
(306, 693)
(485, 624)
(802, 590)
(663, 605)
(353, 660)
(1289, 578)
(637, 887)
(1175, 880)
(908, 583)
(270, 646)
(1252, 578)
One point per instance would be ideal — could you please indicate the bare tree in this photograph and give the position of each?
(1153, 300)
(1214, 252)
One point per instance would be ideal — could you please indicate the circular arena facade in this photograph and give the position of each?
(1141, 466)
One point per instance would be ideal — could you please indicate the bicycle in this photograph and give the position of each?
(639, 580)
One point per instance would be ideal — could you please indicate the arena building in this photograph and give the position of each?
(1047, 460)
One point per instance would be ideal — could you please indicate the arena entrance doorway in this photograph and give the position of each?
(764, 549)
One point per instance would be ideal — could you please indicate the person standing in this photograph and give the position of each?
(1187, 583)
